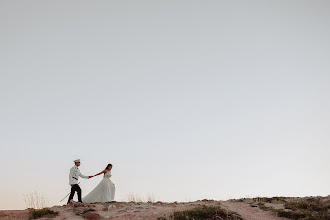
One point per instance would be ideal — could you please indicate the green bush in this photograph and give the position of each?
(308, 205)
(205, 212)
(38, 213)
(307, 209)
(262, 206)
(291, 214)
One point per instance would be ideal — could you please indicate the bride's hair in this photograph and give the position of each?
(109, 165)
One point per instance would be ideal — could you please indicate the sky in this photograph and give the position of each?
(187, 99)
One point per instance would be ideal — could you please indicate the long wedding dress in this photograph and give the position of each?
(103, 192)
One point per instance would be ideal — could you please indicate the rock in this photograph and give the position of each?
(110, 207)
(2, 214)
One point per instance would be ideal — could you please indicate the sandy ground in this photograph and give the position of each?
(14, 214)
(144, 211)
(249, 212)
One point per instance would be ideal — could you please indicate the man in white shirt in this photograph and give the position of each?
(73, 180)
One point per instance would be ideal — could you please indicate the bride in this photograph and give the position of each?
(104, 191)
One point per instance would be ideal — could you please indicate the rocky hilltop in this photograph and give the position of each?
(246, 208)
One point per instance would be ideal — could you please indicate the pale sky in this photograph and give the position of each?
(188, 99)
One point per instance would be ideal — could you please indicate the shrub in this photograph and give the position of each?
(306, 208)
(262, 206)
(137, 198)
(291, 214)
(205, 212)
(309, 205)
(35, 200)
(270, 200)
(38, 213)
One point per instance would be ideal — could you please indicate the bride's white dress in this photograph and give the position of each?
(103, 192)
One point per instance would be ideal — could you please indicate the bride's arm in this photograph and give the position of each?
(99, 173)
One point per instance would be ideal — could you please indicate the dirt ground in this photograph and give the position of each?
(143, 211)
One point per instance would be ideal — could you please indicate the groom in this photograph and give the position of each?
(73, 180)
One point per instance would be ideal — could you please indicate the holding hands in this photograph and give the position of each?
(107, 169)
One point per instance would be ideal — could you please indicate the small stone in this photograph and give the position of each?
(111, 206)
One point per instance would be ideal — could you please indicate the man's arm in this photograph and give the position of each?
(83, 176)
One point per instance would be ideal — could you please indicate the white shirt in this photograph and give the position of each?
(74, 175)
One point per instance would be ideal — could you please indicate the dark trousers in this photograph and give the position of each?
(75, 188)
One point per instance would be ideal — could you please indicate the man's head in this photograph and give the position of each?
(77, 162)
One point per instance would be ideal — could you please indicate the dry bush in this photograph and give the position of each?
(35, 200)
(135, 197)
(150, 198)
